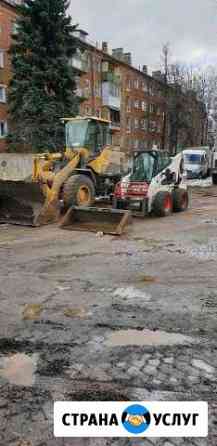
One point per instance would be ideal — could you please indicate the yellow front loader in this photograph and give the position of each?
(64, 184)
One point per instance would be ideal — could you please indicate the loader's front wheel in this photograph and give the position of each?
(79, 190)
(163, 204)
(180, 200)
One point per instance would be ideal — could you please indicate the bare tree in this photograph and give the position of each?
(196, 83)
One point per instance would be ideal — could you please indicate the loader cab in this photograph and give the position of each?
(90, 133)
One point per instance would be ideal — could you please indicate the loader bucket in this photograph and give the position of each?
(107, 221)
(20, 202)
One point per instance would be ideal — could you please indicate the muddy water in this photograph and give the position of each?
(19, 369)
(146, 337)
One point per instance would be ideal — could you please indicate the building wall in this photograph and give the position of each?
(143, 109)
(139, 115)
(135, 103)
(7, 19)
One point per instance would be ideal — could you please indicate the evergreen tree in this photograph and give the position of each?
(43, 86)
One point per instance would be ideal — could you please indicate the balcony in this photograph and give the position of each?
(80, 62)
(83, 93)
(111, 95)
(109, 76)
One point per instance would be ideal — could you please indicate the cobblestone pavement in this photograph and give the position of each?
(71, 304)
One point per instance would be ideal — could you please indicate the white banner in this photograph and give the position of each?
(131, 419)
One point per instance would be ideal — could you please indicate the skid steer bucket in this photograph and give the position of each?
(20, 202)
(107, 221)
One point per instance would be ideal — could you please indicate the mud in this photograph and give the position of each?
(105, 318)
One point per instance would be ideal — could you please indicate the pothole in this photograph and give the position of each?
(76, 313)
(19, 369)
(146, 337)
(131, 293)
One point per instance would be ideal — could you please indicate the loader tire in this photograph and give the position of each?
(214, 178)
(180, 200)
(163, 204)
(78, 190)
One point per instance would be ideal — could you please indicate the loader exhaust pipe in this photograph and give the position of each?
(108, 221)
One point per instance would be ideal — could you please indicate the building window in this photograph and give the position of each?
(158, 127)
(151, 90)
(152, 126)
(144, 86)
(114, 90)
(128, 84)
(128, 124)
(144, 106)
(2, 59)
(151, 108)
(3, 129)
(128, 105)
(88, 61)
(136, 104)
(98, 114)
(2, 93)
(87, 111)
(14, 28)
(136, 84)
(87, 83)
(98, 89)
(136, 123)
(136, 144)
(144, 124)
(98, 66)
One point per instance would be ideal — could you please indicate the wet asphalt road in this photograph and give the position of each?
(71, 303)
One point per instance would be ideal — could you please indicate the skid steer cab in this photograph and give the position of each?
(154, 186)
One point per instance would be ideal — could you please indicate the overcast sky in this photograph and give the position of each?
(143, 26)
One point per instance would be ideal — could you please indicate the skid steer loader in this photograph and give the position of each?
(64, 184)
(155, 185)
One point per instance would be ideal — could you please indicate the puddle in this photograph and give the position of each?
(19, 369)
(32, 312)
(146, 337)
(205, 252)
(132, 293)
(74, 313)
(63, 288)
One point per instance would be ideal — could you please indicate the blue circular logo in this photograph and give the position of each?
(136, 419)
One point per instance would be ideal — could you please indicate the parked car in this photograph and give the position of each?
(197, 162)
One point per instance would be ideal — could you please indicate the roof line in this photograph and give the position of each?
(112, 58)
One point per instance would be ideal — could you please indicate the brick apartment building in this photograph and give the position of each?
(113, 89)
(134, 102)
(7, 27)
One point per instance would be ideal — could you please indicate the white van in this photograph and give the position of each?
(197, 163)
